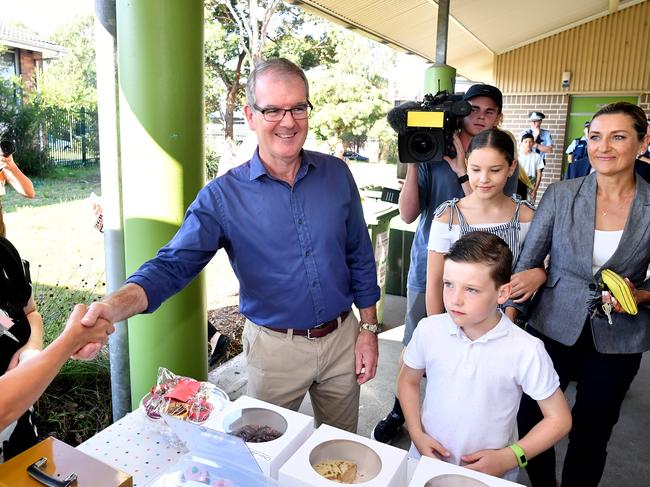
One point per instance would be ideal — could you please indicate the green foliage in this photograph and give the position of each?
(387, 141)
(19, 120)
(70, 82)
(234, 42)
(350, 96)
(211, 163)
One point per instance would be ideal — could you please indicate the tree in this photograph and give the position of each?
(351, 96)
(70, 82)
(240, 33)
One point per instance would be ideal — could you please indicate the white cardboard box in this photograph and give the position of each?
(271, 455)
(298, 470)
(429, 468)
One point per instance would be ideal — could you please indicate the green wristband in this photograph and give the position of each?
(520, 454)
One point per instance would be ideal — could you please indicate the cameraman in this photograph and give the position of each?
(428, 185)
(10, 173)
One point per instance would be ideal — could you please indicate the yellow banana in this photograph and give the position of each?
(620, 290)
(523, 177)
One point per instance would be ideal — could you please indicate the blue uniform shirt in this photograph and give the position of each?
(302, 254)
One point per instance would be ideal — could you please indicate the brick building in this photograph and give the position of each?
(22, 53)
(606, 60)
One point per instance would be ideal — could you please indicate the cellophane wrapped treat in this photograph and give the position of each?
(182, 398)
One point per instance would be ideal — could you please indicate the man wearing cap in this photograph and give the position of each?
(427, 186)
(543, 140)
(577, 157)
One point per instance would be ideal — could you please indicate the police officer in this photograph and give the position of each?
(577, 157)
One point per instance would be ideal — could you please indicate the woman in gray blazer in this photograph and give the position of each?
(601, 221)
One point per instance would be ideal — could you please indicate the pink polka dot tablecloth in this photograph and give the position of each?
(136, 445)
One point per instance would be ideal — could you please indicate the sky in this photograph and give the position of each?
(44, 16)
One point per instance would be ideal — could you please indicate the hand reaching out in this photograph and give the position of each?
(90, 328)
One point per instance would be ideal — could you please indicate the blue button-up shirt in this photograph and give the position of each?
(302, 253)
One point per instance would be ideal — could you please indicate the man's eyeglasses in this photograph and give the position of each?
(299, 112)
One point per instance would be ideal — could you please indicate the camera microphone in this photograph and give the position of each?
(397, 116)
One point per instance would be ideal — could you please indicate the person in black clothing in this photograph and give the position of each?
(25, 370)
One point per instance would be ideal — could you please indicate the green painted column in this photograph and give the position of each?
(439, 77)
(160, 56)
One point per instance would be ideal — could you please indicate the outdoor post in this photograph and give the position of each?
(160, 59)
(107, 108)
(439, 76)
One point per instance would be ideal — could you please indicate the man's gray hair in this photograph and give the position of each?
(278, 66)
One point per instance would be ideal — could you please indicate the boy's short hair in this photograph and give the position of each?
(484, 248)
(527, 135)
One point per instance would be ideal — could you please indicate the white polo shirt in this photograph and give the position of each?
(474, 387)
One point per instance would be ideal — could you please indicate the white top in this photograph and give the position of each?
(605, 244)
(531, 162)
(442, 237)
(474, 387)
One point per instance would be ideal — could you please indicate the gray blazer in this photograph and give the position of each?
(564, 227)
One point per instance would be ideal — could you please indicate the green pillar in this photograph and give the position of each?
(439, 77)
(160, 53)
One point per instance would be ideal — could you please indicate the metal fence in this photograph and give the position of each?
(70, 138)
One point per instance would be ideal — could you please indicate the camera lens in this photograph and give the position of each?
(7, 148)
(422, 145)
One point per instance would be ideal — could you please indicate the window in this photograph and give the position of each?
(8, 66)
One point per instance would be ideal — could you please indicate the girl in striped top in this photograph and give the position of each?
(487, 208)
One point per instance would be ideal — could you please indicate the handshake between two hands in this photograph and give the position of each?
(89, 327)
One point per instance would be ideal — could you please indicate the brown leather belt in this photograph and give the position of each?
(318, 331)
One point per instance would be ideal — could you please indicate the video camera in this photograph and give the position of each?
(7, 145)
(425, 129)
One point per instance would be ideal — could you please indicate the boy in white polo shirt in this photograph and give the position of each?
(478, 364)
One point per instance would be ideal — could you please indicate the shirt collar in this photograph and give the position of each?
(258, 169)
(500, 330)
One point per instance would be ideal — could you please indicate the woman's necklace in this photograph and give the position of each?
(625, 199)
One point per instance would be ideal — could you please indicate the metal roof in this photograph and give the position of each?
(478, 29)
(18, 37)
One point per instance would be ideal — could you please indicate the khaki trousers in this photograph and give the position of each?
(282, 368)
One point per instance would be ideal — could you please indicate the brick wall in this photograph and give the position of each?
(555, 107)
(28, 61)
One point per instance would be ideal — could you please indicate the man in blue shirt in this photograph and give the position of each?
(428, 185)
(292, 224)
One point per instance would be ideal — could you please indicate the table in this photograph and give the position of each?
(136, 445)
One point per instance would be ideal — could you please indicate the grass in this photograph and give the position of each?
(54, 232)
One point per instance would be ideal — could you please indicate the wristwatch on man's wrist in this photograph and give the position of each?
(371, 327)
(463, 179)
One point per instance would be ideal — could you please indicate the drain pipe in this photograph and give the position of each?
(108, 112)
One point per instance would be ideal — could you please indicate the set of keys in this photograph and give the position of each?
(607, 309)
